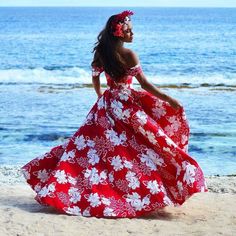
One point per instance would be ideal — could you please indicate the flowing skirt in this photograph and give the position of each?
(128, 158)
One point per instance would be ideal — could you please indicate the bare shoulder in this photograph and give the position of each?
(130, 57)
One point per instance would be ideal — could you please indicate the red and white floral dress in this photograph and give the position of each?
(128, 158)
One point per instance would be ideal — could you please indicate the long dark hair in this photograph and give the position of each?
(106, 54)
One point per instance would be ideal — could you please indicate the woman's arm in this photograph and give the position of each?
(97, 85)
(97, 69)
(145, 84)
(149, 87)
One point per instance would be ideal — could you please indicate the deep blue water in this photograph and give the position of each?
(45, 56)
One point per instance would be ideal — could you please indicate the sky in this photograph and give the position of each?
(157, 3)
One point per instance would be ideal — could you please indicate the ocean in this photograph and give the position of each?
(45, 75)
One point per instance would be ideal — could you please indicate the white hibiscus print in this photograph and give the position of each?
(111, 177)
(152, 158)
(178, 167)
(124, 94)
(158, 112)
(90, 143)
(80, 142)
(43, 175)
(112, 122)
(115, 138)
(26, 174)
(67, 156)
(117, 108)
(169, 141)
(43, 192)
(151, 137)
(167, 201)
(184, 139)
(73, 211)
(154, 187)
(128, 164)
(142, 117)
(100, 103)
(74, 194)
(103, 176)
(46, 190)
(135, 200)
(94, 200)
(190, 171)
(109, 212)
(125, 114)
(148, 161)
(61, 176)
(37, 187)
(133, 180)
(71, 180)
(106, 201)
(117, 163)
(93, 157)
(89, 117)
(51, 187)
(92, 175)
(86, 212)
(116, 105)
(169, 130)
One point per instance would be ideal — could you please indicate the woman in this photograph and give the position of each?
(129, 157)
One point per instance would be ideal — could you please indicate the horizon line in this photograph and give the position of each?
(128, 6)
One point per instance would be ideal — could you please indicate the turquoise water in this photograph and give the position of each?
(45, 77)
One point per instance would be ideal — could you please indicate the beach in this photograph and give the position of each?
(211, 213)
(46, 92)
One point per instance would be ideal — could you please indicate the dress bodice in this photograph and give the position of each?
(126, 80)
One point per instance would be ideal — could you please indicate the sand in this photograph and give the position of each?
(211, 213)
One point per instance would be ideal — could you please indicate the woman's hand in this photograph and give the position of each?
(174, 103)
(100, 94)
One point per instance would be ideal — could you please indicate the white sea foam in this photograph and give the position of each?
(193, 80)
(10, 174)
(76, 75)
(40, 75)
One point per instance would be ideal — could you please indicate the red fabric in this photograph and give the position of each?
(128, 158)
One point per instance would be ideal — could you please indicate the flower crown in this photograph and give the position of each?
(117, 24)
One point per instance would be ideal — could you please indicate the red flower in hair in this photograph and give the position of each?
(119, 21)
(118, 31)
(122, 15)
